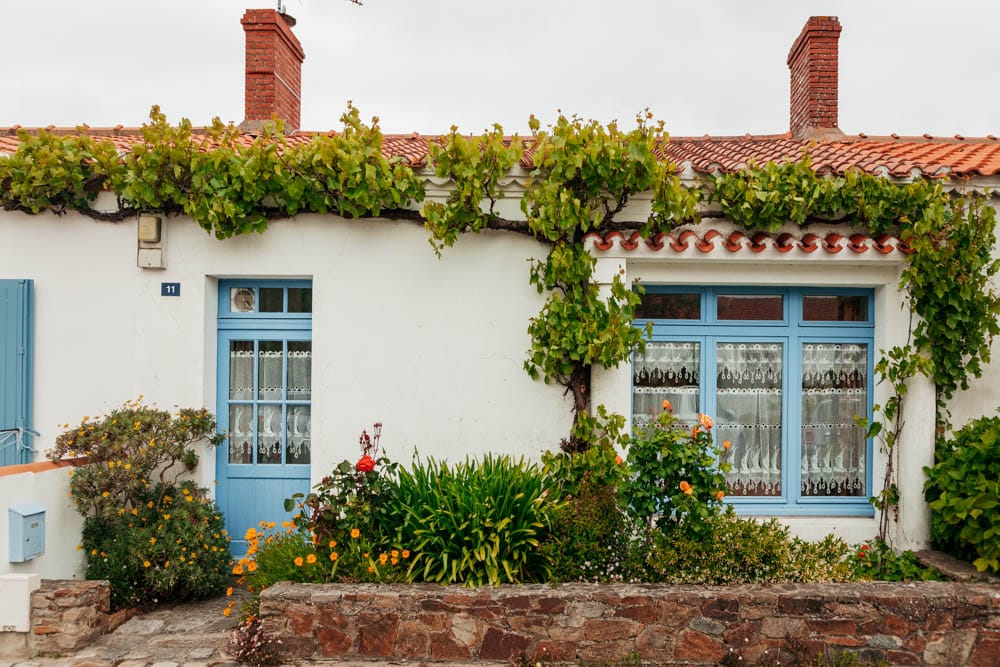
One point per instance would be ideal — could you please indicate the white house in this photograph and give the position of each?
(301, 337)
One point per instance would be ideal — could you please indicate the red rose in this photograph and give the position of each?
(365, 464)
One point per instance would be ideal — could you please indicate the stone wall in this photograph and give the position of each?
(68, 614)
(929, 623)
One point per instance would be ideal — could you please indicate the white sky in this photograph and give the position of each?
(704, 66)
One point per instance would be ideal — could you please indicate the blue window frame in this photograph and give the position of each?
(784, 371)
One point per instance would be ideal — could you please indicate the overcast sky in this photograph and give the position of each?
(703, 66)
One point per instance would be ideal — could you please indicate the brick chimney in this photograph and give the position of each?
(273, 70)
(813, 65)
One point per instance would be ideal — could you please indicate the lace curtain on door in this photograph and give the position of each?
(278, 423)
(748, 414)
(666, 371)
(834, 391)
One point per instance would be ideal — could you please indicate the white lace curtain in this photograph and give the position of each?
(277, 425)
(834, 391)
(666, 371)
(748, 414)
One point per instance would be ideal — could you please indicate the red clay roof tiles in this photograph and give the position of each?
(893, 155)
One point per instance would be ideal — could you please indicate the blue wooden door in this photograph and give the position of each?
(264, 402)
(15, 368)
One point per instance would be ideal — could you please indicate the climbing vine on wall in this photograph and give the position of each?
(578, 176)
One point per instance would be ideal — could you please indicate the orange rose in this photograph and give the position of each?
(727, 444)
(618, 460)
(685, 487)
(706, 421)
(719, 495)
(667, 406)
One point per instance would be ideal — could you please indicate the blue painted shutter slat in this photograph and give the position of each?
(15, 362)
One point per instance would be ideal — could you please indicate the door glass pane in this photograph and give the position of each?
(269, 434)
(666, 371)
(751, 307)
(241, 434)
(834, 391)
(748, 414)
(835, 308)
(299, 370)
(299, 428)
(272, 300)
(659, 306)
(241, 370)
(300, 300)
(269, 373)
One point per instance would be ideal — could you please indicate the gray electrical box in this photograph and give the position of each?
(27, 531)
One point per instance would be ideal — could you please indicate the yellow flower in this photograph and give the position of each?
(152, 540)
(237, 569)
(227, 611)
(166, 517)
(250, 534)
(111, 464)
(93, 552)
(145, 563)
(311, 558)
(252, 566)
(332, 544)
(229, 591)
(105, 494)
(333, 556)
(355, 533)
(298, 561)
(382, 558)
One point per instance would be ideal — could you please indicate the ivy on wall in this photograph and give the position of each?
(581, 176)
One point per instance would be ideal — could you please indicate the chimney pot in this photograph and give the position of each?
(273, 68)
(813, 66)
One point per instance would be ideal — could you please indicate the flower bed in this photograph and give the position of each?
(928, 623)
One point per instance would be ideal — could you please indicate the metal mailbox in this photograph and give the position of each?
(27, 531)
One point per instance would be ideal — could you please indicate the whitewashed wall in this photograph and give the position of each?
(432, 347)
(48, 486)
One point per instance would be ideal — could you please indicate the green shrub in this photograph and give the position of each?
(963, 489)
(153, 538)
(476, 522)
(877, 561)
(677, 479)
(592, 537)
(735, 550)
(174, 547)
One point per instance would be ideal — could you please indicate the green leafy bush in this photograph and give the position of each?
(154, 538)
(963, 489)
(878, 561)
(677, 479)
(735, 550)
(476, 522)
(592, 538)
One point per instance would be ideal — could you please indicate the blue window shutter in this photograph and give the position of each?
(16, 321)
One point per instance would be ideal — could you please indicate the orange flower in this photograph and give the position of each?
(618, 459)
(311, 558)
(298, 561)
(237, 569)
(706, 421)
(694, 431)
(406, 553)
(334, 556)
(229, 591)
(719, 495)
(667, 406)
(355, 533)
(727, 444)
(382, 558)
(332, 544)
(685, 487)
(252, 566)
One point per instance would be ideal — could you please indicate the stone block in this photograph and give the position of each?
(697, 647)
(952, 648)
(599, 630)
(783, 626)
(376, 633)
(985, 654)
(706, 626)
(500, 645)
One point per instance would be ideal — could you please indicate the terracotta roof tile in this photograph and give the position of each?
(736, 241)
(893, 155)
